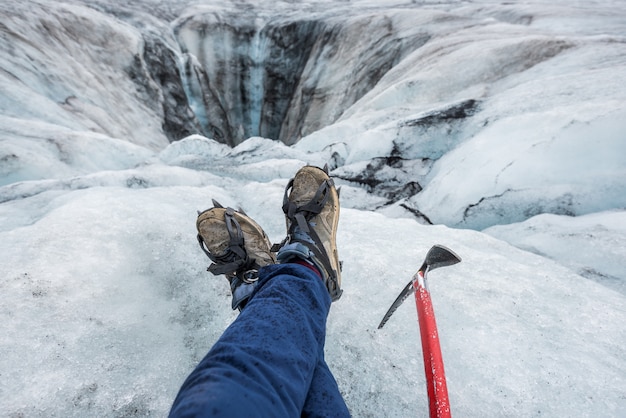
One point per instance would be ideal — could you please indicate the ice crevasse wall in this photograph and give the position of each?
(457, 113)
(254, 72)
(469, 115)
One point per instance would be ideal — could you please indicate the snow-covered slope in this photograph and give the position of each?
(106, 305)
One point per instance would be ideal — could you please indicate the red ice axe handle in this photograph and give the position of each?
(438, 403)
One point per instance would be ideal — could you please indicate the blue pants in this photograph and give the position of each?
(270, 361)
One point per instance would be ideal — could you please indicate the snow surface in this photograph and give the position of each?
(105, 304)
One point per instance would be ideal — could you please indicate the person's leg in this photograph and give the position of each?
(270, 361)
(324, 399)
(264, 363)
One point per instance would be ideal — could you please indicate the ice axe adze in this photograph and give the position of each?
(438, 256)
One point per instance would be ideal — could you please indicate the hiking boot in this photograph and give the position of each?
(312, 214)
(238, 247)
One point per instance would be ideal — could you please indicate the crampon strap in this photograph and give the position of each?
(299, 216)
(234, 257)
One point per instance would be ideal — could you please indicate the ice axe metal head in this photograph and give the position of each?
(438, 256)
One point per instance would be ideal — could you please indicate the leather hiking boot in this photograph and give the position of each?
(312, 214)
(238, 247)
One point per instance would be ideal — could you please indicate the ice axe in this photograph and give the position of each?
(438, 256)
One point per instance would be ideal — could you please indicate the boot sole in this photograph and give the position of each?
(211, 226)
(317, 175)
